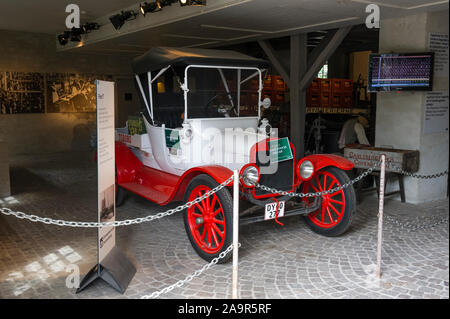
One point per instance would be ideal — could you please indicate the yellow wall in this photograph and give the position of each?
(359, 64)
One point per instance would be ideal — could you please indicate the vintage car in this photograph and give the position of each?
(201, 120)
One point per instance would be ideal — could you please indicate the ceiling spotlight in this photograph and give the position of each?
(64, 38)
(150, 7)
(87, 27)
(75, 34)
(197, 2)
(119, 19)
(192, 2)
(165, 3)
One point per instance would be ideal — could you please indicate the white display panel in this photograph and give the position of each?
(105, 166)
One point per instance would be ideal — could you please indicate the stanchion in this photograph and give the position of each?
(380, 213)
(235, 234)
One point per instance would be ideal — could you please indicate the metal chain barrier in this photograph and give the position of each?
(59, 222)
(431, 176)
(317, 194)
(407, 226)
(417, 223)
(197, 273)
(351, 182)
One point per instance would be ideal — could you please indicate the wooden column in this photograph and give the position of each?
(303, 69)
(297, 95)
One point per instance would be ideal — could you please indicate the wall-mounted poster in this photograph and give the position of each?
(436, 112)
(438, 43)
(71, 92)
(21, 92)
(32, 92)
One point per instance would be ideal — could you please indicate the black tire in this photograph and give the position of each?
(348, 198)
(226, 202)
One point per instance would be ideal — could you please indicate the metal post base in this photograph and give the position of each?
(116, 269)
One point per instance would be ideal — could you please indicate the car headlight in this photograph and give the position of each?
(249, 175)
(305, 170)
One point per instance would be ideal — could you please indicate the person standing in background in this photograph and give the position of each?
(353, 132)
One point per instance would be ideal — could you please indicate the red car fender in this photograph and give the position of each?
(219, 173)
(127, 164)
(323, 160)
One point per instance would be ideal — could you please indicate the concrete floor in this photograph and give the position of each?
(275, 261)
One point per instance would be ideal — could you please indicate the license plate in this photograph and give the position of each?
(271, 208)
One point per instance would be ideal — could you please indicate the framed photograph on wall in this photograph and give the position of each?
(70, 92)
(21, 92)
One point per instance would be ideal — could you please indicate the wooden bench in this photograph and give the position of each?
(397, 160)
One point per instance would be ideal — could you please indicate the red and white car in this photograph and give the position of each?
(202, 116)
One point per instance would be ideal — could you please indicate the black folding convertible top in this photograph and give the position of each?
(160, 57)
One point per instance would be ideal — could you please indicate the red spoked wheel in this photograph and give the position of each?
(208, 223)
(337, 209)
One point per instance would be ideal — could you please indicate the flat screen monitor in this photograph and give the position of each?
(401, 71)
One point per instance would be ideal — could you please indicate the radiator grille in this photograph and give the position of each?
(281, 179)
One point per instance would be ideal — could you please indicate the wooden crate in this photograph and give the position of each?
(325, 99)
(341, 85)
(277, 99)
(254, 84)
(265, 93)
(314, 87)
(278, 83)
(347, 85)
(336, 100)
(251, 99)
(313, 100)
(336, 86)
(325, 85)
(396, 159)
(347, 100)
(267, 84)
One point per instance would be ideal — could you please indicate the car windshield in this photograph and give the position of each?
(216, 92)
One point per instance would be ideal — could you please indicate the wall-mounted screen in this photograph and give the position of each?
(401, 71)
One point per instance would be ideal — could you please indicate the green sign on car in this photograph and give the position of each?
(280, 150)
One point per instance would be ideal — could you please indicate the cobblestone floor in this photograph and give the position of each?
(275, 261)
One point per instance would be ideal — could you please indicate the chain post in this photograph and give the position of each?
(380, 213)
(235, 234)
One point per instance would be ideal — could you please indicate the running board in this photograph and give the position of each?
(297, 211)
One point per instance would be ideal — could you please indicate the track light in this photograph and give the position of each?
(165, 3)
(197, 2)
(192, 2)
(119, 19)
(150, 7)
(64, 38)
(88, 27)
(75, 34)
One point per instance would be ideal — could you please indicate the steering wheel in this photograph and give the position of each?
(206, 108)
(225, 114)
